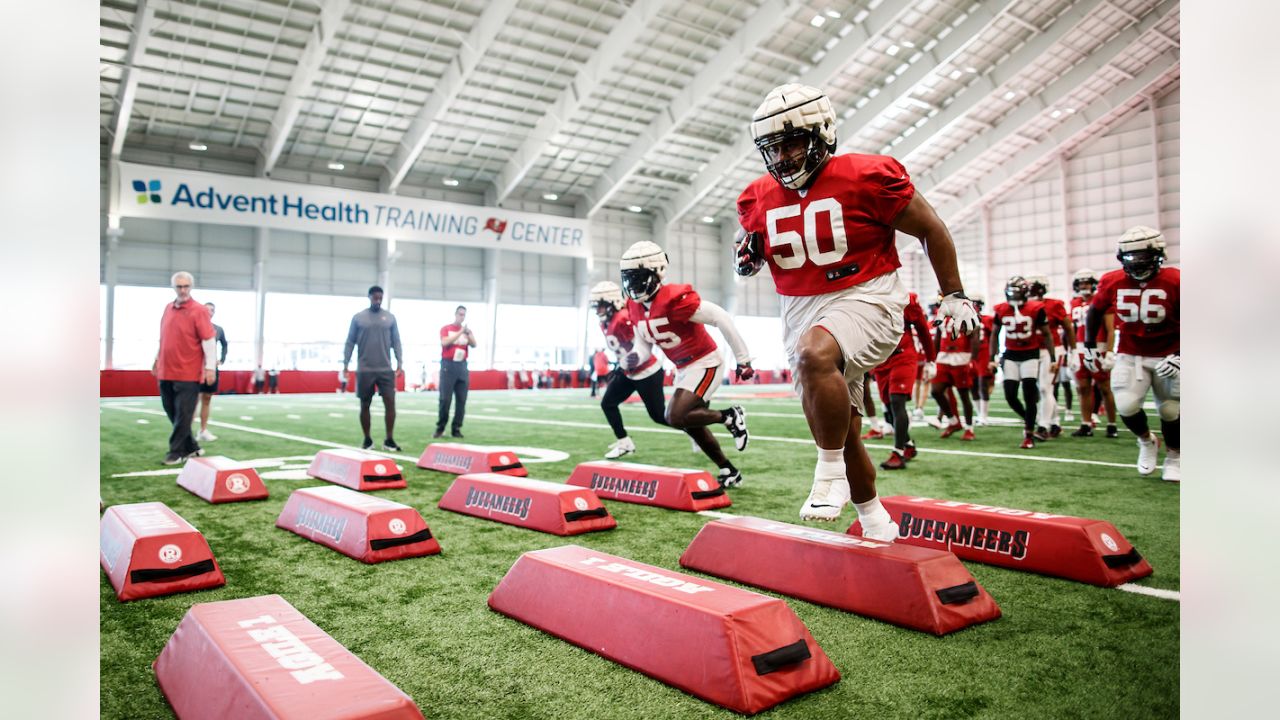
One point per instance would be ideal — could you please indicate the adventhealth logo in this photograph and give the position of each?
(147, 191)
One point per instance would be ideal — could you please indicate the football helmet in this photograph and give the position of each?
(1141, 252)
(606, 299)
(979, 301)
(794, 113)
(1083, 280)
(1037, 283)
(1017, 290)
(644, 265)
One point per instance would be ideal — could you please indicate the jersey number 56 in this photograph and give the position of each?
(1141, 306)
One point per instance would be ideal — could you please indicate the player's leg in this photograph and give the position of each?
(206, 399)
(1130, 382)
(1067, 393)
(448, 379)
(1168, 402)
(1085, 381)
(1012, 384)
(940, 389)
(618, 390)
(691, 409)
(692, 404)
(387, 389)
(1047, 411)
(876, 521)
(1102, 386)
(168, 400)
(461, 386)
(966, 403)
(186, 398)
(364, 391)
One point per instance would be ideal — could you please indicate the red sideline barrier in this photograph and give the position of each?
(732, 647)
(356, 470)
(1091, 551)
(671, 488)
(259, 658)
(148, 550)
(219, 479)
(548, 507)
(460, 458)
(367, 528)
(919, 588)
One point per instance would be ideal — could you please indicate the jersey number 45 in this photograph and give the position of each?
(652, 331)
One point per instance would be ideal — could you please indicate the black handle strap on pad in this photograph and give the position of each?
(774, 660)
(504, 468)
(384, 543)
(383, 478)
(957, 593)
(703, 494)
(579, 514)
(1125, 560)
(163, 574)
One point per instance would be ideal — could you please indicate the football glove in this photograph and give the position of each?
(930, 370)
(631, 361)
(1169, 367)
(748, 248)
(1073, 362)
(1090, 358)
(745, 371)
(1108, 360)
(958, 317)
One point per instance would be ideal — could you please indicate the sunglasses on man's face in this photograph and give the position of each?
(179, 287)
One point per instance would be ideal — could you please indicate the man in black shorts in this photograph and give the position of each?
(375, 331)
(207, 391)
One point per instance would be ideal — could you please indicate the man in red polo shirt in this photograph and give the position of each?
(187, 358)
(456, 341)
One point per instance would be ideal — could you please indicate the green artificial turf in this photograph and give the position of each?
(1061, 649)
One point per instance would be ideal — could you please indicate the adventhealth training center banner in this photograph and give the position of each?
(149, 191)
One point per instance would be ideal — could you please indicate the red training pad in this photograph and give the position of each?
(549, 507)
(220, 479)
(368, 528)
(671, 488)
(1091, 551)
(356, 470)
(919, 588)
(460, 458)
(735, 648)
(147, 550)
(259, 658)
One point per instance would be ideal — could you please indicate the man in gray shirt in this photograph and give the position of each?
(375, 331)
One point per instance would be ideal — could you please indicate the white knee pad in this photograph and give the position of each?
(1169, 409)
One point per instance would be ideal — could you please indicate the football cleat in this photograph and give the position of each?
(391, 445)
(873, 434)
(736, 420)
(1041, 434)
(729, 477)
(456, 433)
(1068, 416)
(173, 459)
(1148, 455)
(826, 500)
(917, 415)
(367, 444)
(1028, 442)
(1086, 430)
(1113, 431)
(1055, 430)
(438, 434)
(909, 452)
(1172, 466)
(206, 436)
(952, 429)
(888, 532)
(624, 446)
(895, 462)
(968, 435)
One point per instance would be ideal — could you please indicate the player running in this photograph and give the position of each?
(672, 317)
(1084, 284)
(638, 370)
(1026, 330)
(896, 379)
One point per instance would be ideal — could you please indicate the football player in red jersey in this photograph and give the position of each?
(825, 224)
(1060, 326)
(1026, 329)
(1084, 284)
(672, 317)
(638, 369)
(896, 379)
(954, 369)
(984, 377)
(1145, 297)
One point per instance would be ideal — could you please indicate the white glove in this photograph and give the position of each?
(1169, 367)
(930, 370)
(958, 315)
(1108, 360)
(1090, 359)
(1073, 362)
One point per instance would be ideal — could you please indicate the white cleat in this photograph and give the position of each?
(826, 500)
(887, 532)
(1172, 466)
(1068, 418)
(1148, 455)
(623, 447)
(206, 436)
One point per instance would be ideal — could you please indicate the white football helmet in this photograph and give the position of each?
(606, 299)
(1141, 252)
(644, 265)
(1038, 283)
(791, 112)
(978, 299)
(1084, 279)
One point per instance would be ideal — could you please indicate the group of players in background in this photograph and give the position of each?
(826, 226)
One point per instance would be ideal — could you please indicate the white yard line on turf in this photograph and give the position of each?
(282, 436)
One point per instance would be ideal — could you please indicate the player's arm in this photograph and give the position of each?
(920, 324)
(1069, 333)
(471, 337)
(920, 220)
(448, 338)
(395, 344)
(709, 313)
(352, 333)
(1046, 332)
(222, 342)
(994, 350)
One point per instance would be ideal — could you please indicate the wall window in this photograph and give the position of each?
(539, 336)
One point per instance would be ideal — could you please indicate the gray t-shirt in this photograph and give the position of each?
(377, 335)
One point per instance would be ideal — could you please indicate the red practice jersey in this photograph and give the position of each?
(1021, 328)
(666, 323)
(620, 336)
(960, 344)
(1055, 312)
(914, 319)
(982, 354)
(839, 234)
(1146, 312)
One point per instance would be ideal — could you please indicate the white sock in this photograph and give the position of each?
(830, 463)
(872, 513)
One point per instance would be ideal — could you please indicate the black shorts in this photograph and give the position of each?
(385, 380)
(211, 388)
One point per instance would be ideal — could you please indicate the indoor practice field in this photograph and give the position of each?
(1061, 649)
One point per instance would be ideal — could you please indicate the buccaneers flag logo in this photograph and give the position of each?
(496, 225)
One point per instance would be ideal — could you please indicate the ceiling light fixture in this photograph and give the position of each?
(450, 182)
(818, 21)
(550, 196)
(708, 219)
(635, 208)
(892, 50)
(198, 146)
(832, 13)
(1010, 95)
(337, 166)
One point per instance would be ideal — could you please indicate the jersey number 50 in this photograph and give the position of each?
(808, 244)
(1141, 306)
(652, 331)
